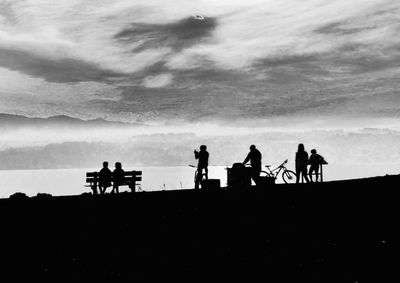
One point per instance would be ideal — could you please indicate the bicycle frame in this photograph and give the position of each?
(278, 169)
(197, 180)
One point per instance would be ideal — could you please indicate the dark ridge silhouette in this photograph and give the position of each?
(10, 120)
(323, 232)
(18, 196)
(44, 196)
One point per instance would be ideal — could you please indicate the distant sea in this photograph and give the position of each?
(71, 181)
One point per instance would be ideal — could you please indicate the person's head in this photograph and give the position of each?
(300, 148)
(203, 147)
(105, 164)
(252, 147)
(313, 151)
(118, 165)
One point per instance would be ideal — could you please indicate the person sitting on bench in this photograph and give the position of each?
(118, 177)
(104, 178)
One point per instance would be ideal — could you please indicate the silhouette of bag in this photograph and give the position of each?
(239, 177)
(211, 184)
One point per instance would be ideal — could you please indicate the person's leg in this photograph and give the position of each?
(254, 175)
(298, 171)
(304, 172)
(310, 173)
(198, 178)
(316, 169)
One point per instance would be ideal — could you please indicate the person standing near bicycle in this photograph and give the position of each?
(254, 157)
(315, 161)
(202, 156)
(301, 163)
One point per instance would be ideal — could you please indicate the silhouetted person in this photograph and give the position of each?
(104, 178)
(118, 177)
(254, 157)
(301, 163)
(202, 156)
(315, 161)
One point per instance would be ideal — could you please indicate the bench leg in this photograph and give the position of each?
(94, 189)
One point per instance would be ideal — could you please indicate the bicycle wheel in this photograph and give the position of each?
(289, 177)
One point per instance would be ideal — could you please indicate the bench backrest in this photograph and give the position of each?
(130, 177)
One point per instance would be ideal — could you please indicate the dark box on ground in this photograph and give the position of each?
(211, 184)
(239, 177)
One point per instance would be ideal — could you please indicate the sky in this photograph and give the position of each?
(203, 60)
(205, 67)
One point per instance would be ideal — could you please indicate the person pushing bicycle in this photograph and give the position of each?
(254, 157)
(202, 156)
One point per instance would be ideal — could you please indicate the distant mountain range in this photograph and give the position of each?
(10, 120)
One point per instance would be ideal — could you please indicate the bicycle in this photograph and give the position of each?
(288, 176)
(197, 181)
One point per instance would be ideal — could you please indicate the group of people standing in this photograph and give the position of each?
(116, 178)
(255, 156)
(302, 161)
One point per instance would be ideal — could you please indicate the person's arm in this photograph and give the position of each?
(196, 154)
(247, 159)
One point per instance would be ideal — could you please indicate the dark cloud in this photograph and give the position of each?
(178, 35)
(53, 70)
(342, 28)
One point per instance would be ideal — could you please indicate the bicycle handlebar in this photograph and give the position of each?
(283, 163)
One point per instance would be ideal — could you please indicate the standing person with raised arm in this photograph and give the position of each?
(301, 163)
(202, 156)
(254, 157)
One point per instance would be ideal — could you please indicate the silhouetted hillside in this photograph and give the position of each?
(9, 120)
(331, 232)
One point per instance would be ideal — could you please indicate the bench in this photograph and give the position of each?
(130, 179)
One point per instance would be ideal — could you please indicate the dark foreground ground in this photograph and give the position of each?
(334, 232)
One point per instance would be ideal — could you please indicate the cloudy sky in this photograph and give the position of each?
(205, 60)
